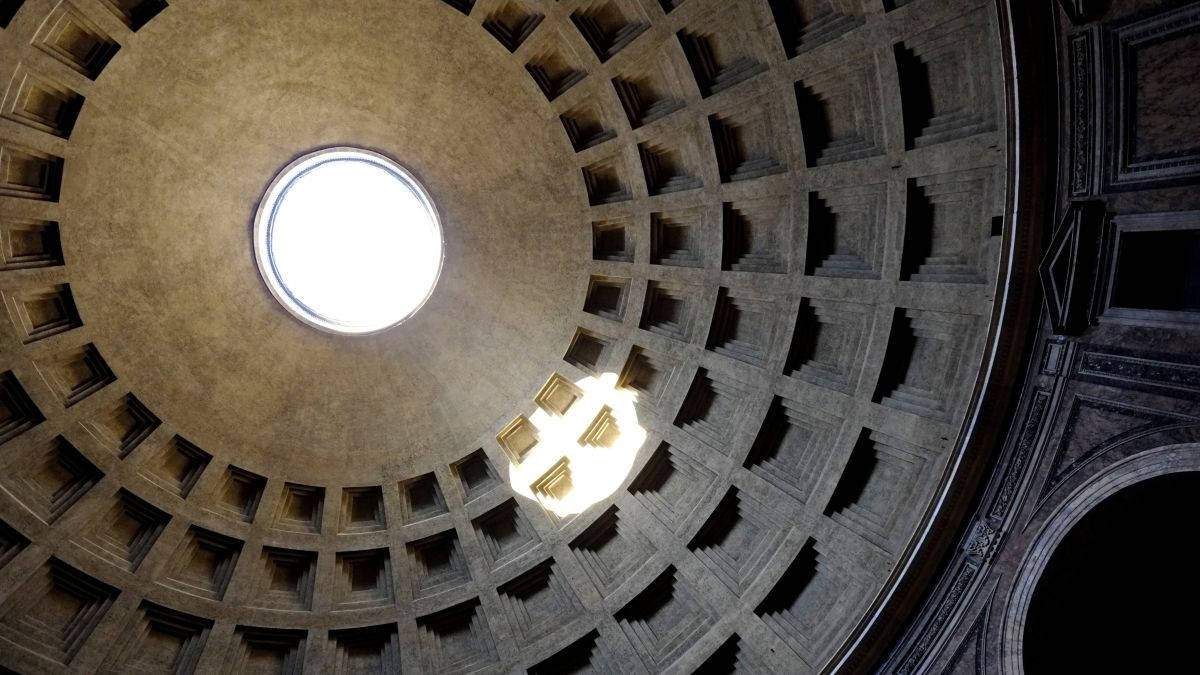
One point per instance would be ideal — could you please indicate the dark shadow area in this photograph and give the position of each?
(1120, 592)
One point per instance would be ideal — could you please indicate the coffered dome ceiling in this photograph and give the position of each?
(780, 225)
(192, 124)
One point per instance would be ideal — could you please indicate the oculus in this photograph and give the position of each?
(348, 241)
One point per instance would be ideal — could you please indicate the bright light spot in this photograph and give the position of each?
(348, 241)
(583, 456)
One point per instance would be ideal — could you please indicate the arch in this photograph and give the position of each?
(1159, 461)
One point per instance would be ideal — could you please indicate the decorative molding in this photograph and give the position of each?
(1129, 168)
(1056, 355)
(1069, 269)
(982, 541)
(1142, 371)
(1084, 114)
(972, 644)
(1063, 465)
(963, 580)
(1019, 460)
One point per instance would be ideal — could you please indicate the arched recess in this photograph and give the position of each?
(1163, 460)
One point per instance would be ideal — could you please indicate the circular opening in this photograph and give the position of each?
(348, 241)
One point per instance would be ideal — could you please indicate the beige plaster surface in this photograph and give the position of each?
(177, 143)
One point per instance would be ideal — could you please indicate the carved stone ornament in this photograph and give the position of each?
(982, 541)
(1069, 272)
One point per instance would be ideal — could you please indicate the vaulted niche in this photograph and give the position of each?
(1120, 592)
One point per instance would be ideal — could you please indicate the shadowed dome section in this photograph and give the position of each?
(348, 241)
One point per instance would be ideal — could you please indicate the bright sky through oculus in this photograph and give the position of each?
(349, 241)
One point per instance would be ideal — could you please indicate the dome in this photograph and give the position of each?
(548, 336)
